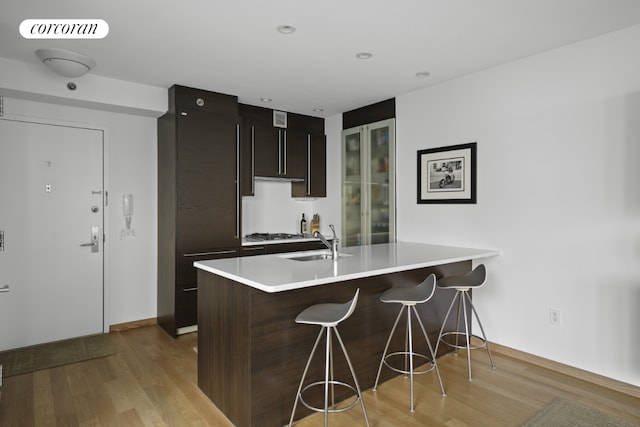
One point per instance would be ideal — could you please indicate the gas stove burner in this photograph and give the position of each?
(259, 237)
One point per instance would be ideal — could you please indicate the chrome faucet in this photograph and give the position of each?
(333, 245)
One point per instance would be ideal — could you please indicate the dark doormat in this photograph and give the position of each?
(564, 413)
(58, 353)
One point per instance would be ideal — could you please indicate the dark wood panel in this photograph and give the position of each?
(305, 123)
(208, 208)
(224, 347)
(370, 114)
(198, 202)
(166, 222)
(315, 183)
(267, 150)
(182, 97)
(276, 248)
(279, 347)
(253, 250)
(295, 150)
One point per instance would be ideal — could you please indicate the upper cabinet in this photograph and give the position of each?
(368, 184)
(315, 180)
(296, 153)
(278, 153)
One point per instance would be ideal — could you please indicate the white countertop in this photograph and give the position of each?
(276, 273)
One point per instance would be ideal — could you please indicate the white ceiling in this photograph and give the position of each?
(233, 47)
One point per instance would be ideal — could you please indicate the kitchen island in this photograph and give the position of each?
(251, 353)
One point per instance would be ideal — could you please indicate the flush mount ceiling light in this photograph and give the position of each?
(286, 29)
(423, 74)
(364, 55)
(65, 62)
(266, 99)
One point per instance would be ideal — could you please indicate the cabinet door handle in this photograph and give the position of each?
(308, 164)
(279, 152)
(237, 236)
(253, 159)
(285, 152)
(225, 252)
(190, 289)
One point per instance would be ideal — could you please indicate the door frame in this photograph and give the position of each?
(105, 197)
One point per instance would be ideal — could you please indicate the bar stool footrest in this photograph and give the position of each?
(334, 409)
(482, 342)
(405, 354)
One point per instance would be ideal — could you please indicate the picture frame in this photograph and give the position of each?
(447, 174)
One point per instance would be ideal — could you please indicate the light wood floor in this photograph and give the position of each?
(151, 381)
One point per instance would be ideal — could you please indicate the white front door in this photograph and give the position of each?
(51, 231)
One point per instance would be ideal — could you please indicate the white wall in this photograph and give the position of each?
(558, 193)
(132, 168)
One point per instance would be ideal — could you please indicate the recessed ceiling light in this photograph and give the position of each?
(318, 110)
(286, 29)
(364, 55)
(266, 99)
(423, 74)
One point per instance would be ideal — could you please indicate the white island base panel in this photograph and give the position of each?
(279, 272)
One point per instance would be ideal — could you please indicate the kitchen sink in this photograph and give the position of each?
(308, 256)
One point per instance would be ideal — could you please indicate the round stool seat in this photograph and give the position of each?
(474, 279)
(327, 314)
(411, 296)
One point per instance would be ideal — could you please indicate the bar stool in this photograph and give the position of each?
(328, 316)
(409, 297)
(462, 285)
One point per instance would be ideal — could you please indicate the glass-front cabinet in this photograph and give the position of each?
(368, 184)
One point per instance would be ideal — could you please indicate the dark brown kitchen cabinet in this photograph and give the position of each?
(277, 248)
(315, 180)
(198, 196)
(253, 250)
(277, 153)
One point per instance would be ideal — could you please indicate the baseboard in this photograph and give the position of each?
(120, 327)
(561, 368)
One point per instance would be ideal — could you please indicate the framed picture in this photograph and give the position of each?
(447, 174)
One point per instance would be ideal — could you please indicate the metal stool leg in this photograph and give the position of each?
(466, 333)
(484, 336)
(355, 379)
(444, 322)
(386, 347)
(408, 353)
(433, 355)
(328, 377)
(304, 374)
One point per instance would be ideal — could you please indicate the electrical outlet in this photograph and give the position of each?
(555, 317)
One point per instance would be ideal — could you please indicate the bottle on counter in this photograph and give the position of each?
(303, 226)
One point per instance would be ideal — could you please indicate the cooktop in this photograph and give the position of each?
(260, 237)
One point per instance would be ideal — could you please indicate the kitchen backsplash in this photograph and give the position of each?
(273, 210)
